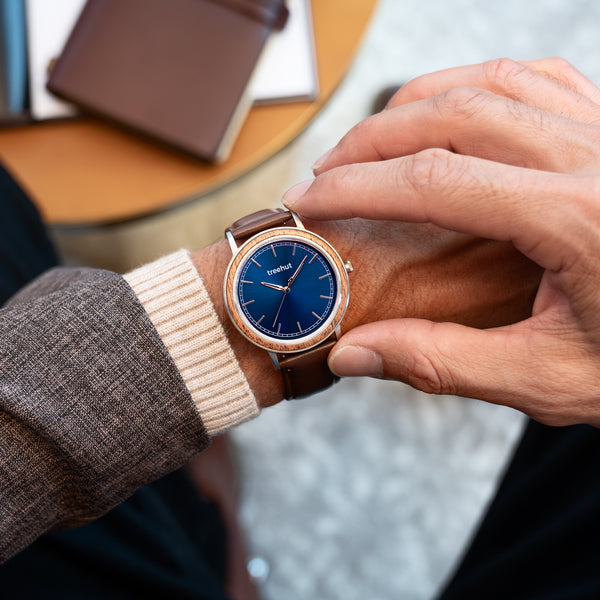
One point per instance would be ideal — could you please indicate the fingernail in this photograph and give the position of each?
(356, 361)
(291, 197)
(321, 160)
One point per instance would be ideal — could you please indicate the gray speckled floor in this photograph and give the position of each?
(371, 490)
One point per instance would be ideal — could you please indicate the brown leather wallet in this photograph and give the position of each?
(302, 276)
(176, 72)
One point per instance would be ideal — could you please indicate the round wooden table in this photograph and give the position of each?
(87, 172)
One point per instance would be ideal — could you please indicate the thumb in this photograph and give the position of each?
(438, 358)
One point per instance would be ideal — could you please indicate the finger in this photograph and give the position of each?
(564, 72)
(475, 122)
(446, 358)
(463, 194)
(515, 80)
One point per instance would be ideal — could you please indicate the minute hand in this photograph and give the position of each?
(293, 277)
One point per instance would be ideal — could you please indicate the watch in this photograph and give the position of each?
(286, 290)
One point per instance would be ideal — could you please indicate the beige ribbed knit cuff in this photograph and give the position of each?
(174, 296)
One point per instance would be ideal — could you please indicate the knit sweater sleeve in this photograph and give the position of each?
(106, 384)
(92, 405)
(178, 305)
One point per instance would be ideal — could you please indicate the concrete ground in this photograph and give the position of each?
(371, 490)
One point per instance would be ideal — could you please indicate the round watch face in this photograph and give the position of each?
(286, 291)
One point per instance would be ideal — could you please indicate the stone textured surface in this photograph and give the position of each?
(368, 491)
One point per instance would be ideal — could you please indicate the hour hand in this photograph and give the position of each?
(273, 286)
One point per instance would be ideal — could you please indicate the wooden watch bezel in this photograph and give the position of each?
(234, 309)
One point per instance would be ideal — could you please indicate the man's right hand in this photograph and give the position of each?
(507, 151)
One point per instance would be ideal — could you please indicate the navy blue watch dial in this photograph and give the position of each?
(286, 289)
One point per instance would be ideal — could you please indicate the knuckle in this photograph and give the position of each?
(502, 71)
(430, 376)
(564, 73)
(561, 68)
(461, 102)
(429, 170)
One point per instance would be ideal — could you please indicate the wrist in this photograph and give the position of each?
(265, 382)
(303, 368)
(181, 310)
(400, 270)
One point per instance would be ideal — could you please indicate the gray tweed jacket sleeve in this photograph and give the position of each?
(91, 404)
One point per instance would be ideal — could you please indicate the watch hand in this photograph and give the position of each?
(293, 277)
(274, 286)
(285, 291)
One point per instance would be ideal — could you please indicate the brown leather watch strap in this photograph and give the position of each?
(268, 218)
(306, 373)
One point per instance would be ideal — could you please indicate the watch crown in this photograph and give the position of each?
(348, 266)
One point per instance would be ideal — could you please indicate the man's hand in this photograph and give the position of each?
(506, 151)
